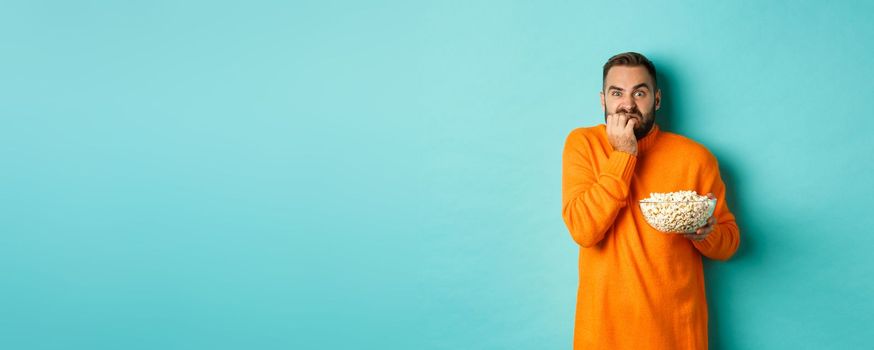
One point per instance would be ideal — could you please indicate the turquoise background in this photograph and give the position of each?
(387, 175)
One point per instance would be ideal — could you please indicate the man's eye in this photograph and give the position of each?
(640, 94)
(615, 93)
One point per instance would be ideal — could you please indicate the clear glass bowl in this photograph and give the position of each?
(677, 216)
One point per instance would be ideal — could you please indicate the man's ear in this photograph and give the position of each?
(603, 105)
(658, 98)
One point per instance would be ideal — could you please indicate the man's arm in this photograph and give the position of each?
(590, 201)
(723, 241)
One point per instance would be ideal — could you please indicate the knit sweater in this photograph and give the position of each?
(639, 288)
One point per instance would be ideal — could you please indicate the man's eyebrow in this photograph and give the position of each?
(635, 87)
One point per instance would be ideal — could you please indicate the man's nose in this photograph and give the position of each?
(627, 104)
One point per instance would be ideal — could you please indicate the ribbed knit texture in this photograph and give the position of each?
(639, 288)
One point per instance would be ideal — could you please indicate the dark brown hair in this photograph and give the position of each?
(631, 59)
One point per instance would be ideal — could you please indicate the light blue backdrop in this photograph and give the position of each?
(341, 175)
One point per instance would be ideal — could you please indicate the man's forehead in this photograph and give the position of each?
(632, 87)
(628, 77)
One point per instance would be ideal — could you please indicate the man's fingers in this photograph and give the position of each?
(621, 121)
(615, 122)
(629, 128)
(710, 222)
(707, 228)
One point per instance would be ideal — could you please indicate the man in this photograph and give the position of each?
(639, 288)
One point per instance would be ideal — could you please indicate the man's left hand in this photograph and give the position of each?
(702, 231)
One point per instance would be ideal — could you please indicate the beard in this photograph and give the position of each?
(644, 121)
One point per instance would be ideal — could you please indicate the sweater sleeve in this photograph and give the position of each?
(590, 200)
(723, 241)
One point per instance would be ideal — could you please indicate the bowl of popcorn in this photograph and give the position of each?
(677, 212)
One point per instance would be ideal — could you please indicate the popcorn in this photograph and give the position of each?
(677, 212)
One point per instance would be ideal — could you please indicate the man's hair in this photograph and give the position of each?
(631, 59)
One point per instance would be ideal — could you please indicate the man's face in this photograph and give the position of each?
(629, 90)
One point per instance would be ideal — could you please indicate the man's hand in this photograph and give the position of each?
(702, 231)
(620, 133)
(705, 230)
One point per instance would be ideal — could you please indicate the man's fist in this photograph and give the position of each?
(620, 132)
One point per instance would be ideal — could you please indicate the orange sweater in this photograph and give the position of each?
(639, 288)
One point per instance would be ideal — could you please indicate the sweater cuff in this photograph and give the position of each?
(621, 165)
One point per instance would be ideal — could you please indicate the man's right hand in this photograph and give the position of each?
(620, 133)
